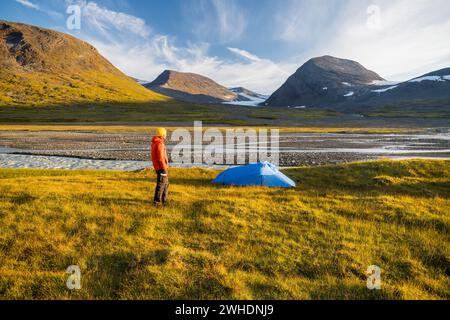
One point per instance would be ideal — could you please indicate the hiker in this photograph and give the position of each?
(160, 164)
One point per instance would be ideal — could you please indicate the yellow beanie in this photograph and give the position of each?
(161, 132)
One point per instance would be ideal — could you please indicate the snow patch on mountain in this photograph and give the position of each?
(252, 103)
(385, 89)
(431, 78)
(382, 83)
(247, 98)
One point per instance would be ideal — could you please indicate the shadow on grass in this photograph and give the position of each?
(112, 271)
(18, 199)
(352, 292)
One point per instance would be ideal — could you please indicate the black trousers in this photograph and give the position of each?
(162, 187)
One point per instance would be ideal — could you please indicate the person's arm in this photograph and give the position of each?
(162, 157)
(166, 158)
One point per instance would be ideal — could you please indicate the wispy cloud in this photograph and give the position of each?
(306, 21)
(37, 7)
(28, 4)
(110, 22)
(231, 20)
(223, 21)
(244, 54)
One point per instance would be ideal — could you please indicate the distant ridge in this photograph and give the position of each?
(190, 87)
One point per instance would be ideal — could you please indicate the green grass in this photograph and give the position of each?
(425, 109)
(312, 242)
(155, 111)
(115, 128)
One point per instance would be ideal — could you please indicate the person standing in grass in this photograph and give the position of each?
(161, 165)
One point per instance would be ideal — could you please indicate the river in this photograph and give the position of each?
(102, 151)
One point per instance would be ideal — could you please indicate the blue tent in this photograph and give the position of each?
(259, 174)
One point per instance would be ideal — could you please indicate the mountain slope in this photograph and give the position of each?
(190, 87)
(45, 67)
(322, 80)
(425, 94)
(433, 85)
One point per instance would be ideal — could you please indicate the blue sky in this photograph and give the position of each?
(252, 43)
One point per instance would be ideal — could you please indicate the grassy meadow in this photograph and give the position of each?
(157, 111)
(312, 242)
(127, 128)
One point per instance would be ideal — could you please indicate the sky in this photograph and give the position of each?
(256, 44)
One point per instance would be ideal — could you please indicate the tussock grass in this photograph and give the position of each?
(211, 242)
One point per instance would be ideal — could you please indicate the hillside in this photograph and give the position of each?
(312, 242)
(41, 67)
(190, 87)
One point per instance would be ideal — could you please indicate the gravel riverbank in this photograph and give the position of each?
(131, 151)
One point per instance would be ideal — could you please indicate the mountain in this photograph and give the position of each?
(346, 85)
(322, 81)
(44, 67)
(191, 87)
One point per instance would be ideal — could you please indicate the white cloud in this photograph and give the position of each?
(245, 54)
(28, 4)
(109, 21)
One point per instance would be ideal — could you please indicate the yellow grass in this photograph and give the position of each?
(312, 242)
(43, 89)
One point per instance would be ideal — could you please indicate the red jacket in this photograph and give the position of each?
(159, 154)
